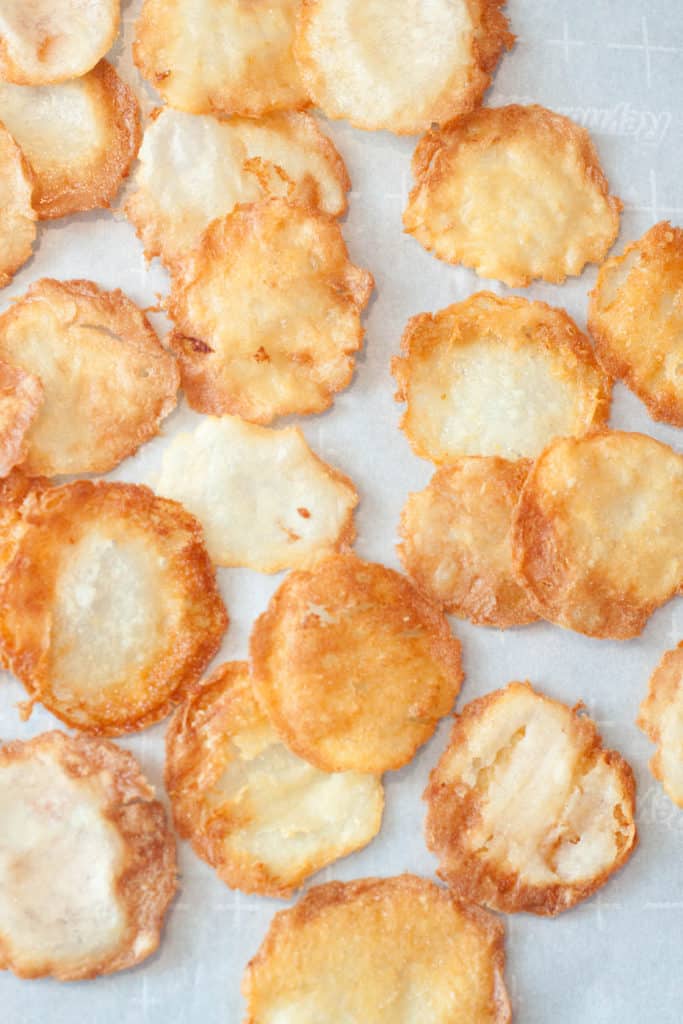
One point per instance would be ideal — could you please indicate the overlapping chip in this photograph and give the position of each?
(17, 216)
(661, 718)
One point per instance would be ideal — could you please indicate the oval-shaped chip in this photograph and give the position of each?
(109, 608)
(516, 193)
(661, 718)
(17, 216)
(87, 859)
(21, 396)
(526, 809)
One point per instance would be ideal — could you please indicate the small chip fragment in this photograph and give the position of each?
(492, 376)
(267, 313)
(661, 718)
(106, 378)
(379, 951)
(109, 608)
(353, 665)
(21, 396)
(17, 216)
(527, 810)
(516, 193)
(261, 816)
(87, 859)
(597, 537)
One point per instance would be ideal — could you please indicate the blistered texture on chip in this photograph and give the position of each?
(267, 313)
(491, 376)
(79, 137)
(379, 951)
(87, 860)
(264, 499)
(21, 396)
(455, 541)
(17, 216)
(228, 56)
(661, 718)
(106, 378)
(354, 666)
(636, 319)
(109, 608)
(262, 817)
(527, 810)
(400, 67)
(516, 193)
(14, 489)
(597, 536)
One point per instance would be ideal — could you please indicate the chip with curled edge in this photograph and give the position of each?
(661, 718)
(17, 215)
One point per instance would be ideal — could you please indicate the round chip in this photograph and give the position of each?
(79, 137)
(107, 380)
(400, 67)
(109, 608)
(261, 816)
(516, 193)
(87, 860)
(491, 376)
(17, 216)
(455, 541)
(354, 666)
(267, 313)
(636, 319)
(661, 718)
(379, 951)
(597, 537)
(21, 396)
(527, 810)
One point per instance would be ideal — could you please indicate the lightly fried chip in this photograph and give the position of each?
(597, 536)
(267, 313)
(492, 376)
(264, 499)
(21, 396)
(661, 718)
(526, 809)
(17, 216)
(515, 193)
(379, 951)
(353, 665)
(79, 137)
(107, 380)
(109, 608)
(262, 817)
(636, 319)
(87, 859)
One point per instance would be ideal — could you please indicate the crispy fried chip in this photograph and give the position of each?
(21, 396)
(107, 380)
(516, 193)
(79, 137)
(261, 816)
(17, 216)
(354, 666)
(267, 313)
(265, 500)
(493, 376)
(400, 67)
(661, 718)
(14, 489)
(636, 318)
(379, 951)
(109, 608)
(597, 537)
(87, 860)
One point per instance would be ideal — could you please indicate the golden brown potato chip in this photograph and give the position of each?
(109, 608)
(597, 537)
(80, 138)
(661, 718)
(354, 666)
(491, 376)
(379, 951)
(17, 216)
(636, 319)
(516, 193)
(527, 810)
(87, 865)
(261, 816)
(21, 396)
(14, 489)
(267, 313)
(107, 380)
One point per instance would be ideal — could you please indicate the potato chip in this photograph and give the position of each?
(379, 951)
(661, 718)
(17, 216)
(597, 537)
(109, 608)
(527, 810)
(79, 137)
(354, 666)
(21, 396)
(516, 193)
(87, 860)
(491, 376)
(107, 380)
(267, 313)
(265, 500)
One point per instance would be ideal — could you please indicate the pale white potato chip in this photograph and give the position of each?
(21, 396)
(661, 718)
(17, 216)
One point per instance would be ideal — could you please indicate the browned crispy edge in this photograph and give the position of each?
(662, 681)
(8, 270)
